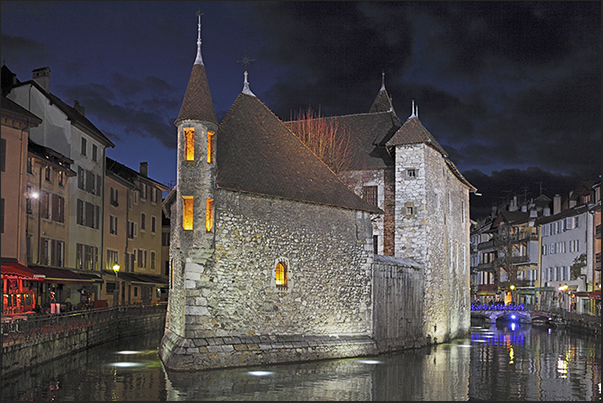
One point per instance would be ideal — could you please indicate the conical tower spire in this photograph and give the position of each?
(197, 103)
(199, 58)
(382, 102)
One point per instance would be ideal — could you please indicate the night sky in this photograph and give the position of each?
(511, 90)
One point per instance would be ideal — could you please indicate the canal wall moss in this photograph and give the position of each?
(23, 352)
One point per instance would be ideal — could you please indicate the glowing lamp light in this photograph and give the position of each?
(260, 373)
(563, 287)
(35, 195)
(116, 268)
(512, 287)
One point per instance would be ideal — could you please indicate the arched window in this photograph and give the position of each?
(281, 274)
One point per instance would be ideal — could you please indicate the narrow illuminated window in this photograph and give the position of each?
(209, 218)
(210, 146)
(189, 143)
(187, 212)
(281, 275)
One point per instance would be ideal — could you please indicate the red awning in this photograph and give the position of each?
(64, 276)
(595, 295)
(16, 269)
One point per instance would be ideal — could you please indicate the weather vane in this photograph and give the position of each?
(245, 61)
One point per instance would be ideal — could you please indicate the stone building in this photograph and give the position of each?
(272, 255)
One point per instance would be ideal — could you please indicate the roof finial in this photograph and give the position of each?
(199, 59)
(412, 115)
(382, 80)
(245, 61)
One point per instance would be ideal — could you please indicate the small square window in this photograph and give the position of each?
(411, 173)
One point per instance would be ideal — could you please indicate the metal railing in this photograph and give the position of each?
(34, 326)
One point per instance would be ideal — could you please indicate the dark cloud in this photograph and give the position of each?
(142, 118)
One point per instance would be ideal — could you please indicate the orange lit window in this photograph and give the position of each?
(210, 146)
(189, 144)
(281, 274)
(187, 212)
(209, 218)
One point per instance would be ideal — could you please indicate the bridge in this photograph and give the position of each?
(494, 312)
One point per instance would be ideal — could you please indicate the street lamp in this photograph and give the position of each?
(116, 290)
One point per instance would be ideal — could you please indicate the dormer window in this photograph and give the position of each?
(189, 144)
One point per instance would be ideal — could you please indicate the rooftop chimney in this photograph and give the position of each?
(556, 204)
(144, 168)
(79, 108)
(42, 77)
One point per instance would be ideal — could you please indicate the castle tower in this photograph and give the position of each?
(192, 225)
(432, 225)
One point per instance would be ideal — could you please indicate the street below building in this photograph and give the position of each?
(497, 362)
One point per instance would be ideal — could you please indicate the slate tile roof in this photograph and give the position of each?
(413, 132)
(197, 103)
(257, 153)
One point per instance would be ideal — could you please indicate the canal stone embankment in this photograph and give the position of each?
(39, 340)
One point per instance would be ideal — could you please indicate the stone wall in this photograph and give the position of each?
(383, 225)
(432, 228)
(21, 355)
(232, 292)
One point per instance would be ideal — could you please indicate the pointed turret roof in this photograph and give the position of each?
(197, 103)
(258, 154)
(382, 102)
(413, 132)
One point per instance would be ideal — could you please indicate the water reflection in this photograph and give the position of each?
(494, 363)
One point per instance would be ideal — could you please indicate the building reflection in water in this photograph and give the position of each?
(526, 363)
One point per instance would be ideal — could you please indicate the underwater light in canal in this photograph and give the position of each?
(128, 352)
(260, 373)
(126, 364)
(370, 362)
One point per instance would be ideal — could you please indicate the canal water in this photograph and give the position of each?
(494, 363)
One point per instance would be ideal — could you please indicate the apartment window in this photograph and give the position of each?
(154, 195)
(113, 225)
(112, 258)
(187, 212)
(152, 260)
(142, 258)
(376, 244)
(165, 239)
(58, 253)
(153, 224)
(143, 221)
(410, 210)
(281, 274)
(58, 208)
(209, 214)
(94, 152)
(189, 144)
(61, 179)
(84, 147)
(45, 205)
(45, 252)
(210, 146)
(132, 229)
(48, 174)
(143, 191)
(113, 197)
(136, 194)
(30, 165)
(2, 155)
(88, 214)
(369, 195)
